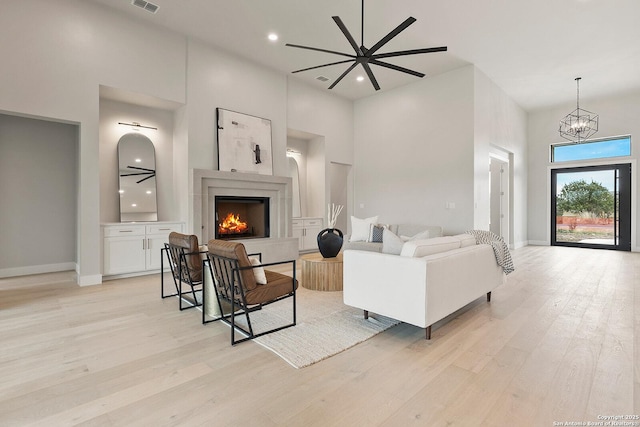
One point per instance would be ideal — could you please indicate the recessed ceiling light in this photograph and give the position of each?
(273, 37)
(134, 205)
(138, 160)
(148, 191)
(359, 78)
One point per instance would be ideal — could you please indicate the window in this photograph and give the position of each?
(600, 149)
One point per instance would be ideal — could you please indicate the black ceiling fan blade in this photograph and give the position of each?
(144, 179)
(348, 35)
(410, 52)
(142, 169)
(410, 20)
(374, 82)
(323, 65)
(319, 50)
(343, 74)
(396, 68)
(138, 173)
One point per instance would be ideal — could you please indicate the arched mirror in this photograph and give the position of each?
(295, 176)
(137, 172)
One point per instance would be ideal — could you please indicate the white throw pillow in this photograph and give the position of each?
(258, 272)
(391, 244)
(360, 228)
(418, 236)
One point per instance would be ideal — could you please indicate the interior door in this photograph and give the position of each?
(591, 207)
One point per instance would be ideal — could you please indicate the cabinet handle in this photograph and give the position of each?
(149, 244)
(164, 229)
(144, 241)
(125, 231)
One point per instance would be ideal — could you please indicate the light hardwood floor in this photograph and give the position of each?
(556, 343)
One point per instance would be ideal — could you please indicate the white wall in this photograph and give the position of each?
(320, 113)
(618, 116)
(422, 152)
(414, 152)
(217, 79)
(38, 181)
(499, 122)
(331, 118)
(114, 112)
(55, 56)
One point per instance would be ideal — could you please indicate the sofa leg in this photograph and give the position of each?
(428, 332)
(366, 314)
(488, 296)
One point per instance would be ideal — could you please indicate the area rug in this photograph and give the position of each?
(324, 327)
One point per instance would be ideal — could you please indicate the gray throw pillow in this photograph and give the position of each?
(375, 235)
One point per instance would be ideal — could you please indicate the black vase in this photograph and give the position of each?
(330, 242)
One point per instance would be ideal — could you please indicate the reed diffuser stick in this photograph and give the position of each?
(333, 211)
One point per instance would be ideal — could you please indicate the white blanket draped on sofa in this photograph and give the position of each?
(500, 248)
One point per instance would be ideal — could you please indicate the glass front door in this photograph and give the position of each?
(591, 207)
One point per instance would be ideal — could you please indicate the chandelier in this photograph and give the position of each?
(579, 124)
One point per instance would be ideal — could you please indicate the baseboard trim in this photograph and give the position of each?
(134, 274)
(539, 243)
(520, 245)
(89, 280)
(37, 269)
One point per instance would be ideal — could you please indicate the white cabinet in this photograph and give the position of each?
(306, 230)
(135, 248)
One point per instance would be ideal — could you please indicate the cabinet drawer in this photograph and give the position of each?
(313, 222)
(124, 230)
(297, 222)
(164, 228)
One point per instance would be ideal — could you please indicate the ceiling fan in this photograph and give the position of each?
(365, 57)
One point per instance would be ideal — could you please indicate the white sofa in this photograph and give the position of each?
(429, 280)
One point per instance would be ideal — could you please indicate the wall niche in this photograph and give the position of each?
(120, 106)
(308, 152)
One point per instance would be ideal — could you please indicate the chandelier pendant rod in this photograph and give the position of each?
(362, 26)
(578, 93)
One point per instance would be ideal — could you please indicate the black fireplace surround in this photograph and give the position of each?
(240, 217)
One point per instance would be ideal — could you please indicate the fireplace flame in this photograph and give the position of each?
(232, 225)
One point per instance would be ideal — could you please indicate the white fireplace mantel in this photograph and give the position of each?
(207, 184)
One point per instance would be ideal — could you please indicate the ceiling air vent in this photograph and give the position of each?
(322, 78)
(148, 6)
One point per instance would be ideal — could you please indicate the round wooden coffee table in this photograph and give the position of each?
(321, 274)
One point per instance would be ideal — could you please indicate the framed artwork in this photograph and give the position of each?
(244, 143)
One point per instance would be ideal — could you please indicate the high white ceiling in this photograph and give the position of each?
(532, 49)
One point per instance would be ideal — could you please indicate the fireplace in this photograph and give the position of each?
(239, 217)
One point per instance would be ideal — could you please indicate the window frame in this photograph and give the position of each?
(591, 141)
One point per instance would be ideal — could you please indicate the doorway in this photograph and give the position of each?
(39, 193)
(591, 207)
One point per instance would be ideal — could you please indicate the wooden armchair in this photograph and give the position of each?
(185, 260)
(237, 290)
